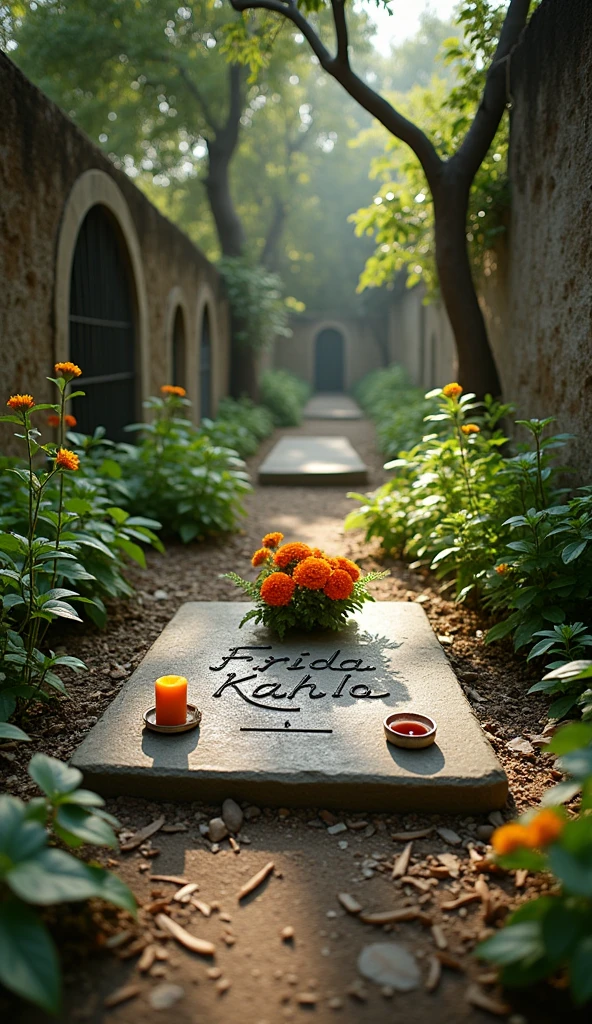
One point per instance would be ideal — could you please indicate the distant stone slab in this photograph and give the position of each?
(297, 723)
(313, 461)
(329, 406)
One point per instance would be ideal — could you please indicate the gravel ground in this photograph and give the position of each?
(256, 973)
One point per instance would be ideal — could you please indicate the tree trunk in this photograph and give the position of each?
(228, 225)
(475, 366)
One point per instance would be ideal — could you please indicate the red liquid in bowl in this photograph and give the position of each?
(409, 728)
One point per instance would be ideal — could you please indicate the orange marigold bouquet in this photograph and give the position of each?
(299, 587)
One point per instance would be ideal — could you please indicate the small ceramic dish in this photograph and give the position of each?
(191, 722)
(407, 729)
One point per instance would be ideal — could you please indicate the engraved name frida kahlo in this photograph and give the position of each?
(246, 681)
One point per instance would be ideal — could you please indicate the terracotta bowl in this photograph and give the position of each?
(401, 739)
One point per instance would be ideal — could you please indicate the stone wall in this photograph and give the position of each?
(538, 296)
(50, 175)
(361, 346)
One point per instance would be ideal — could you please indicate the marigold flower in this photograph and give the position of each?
(70, 420)
(272, 540)
(260, 556)
(68, 370)
(67, 460)
(277, 589)
(510, 837)
(172, 389)
(312, 573)
(339, 585)
(20, 402)
(470, 428)
(349, 567)
(294, 552)
(545, 828)
(502, 568)
(53, 420)
(453, 390)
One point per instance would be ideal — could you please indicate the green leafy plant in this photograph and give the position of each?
(285, 396)
(569, 679)
(398, 409)
(551, 937)
(35, 874)
(240, 425)
(178, 477)
(255, 295)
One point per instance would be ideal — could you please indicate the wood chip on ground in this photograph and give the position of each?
(402, 862)
(184, 938)
(121, 995)
(477, 997)
(140, 837)
(434, 974)
(255, 881)
(349, 903)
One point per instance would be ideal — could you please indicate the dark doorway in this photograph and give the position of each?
(179, 349)
(329, 361)
(102, 330)
(205, 369)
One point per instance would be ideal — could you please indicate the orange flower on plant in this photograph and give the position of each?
(53, 420)
(260, 556)
(470, 428)
(19, 403)
(349, 567)
(545, 828)
(453, 390)
(272, 540)
(294, 552)
(502, 568)
(339, 585)
(68, 370)
(312, 573)
(70, 420)
(67, 460)
(277, 589)
(510, 837)
(173, 389)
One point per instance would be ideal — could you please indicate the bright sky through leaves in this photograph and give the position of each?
(404, 21)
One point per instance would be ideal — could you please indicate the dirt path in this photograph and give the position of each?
(258, 977)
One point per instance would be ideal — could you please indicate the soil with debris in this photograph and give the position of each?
(291, 949)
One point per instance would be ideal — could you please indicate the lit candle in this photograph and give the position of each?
(410, 728)
(171, 700)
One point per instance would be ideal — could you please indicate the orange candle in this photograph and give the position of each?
(171, 700)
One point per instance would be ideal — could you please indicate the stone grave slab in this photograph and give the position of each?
(329, 406)
(319, 461)
(297, 723)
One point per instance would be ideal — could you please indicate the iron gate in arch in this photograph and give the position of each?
(102, 328)
(205, 368)
(179, 349)
(329, 361)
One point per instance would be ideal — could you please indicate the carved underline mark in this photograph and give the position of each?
(244, 728)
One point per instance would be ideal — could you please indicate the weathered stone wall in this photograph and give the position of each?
(539, 297)
(44, 158)
(361, 346)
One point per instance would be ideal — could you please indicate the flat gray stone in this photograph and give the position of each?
(313, 461)
(332, 406)
(304, 730)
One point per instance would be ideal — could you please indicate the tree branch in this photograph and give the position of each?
(339, 18)
(480, 135)
(196, 93)
(375, 104)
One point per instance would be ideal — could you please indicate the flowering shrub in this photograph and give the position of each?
(34, 874)
(398, 409)
(492, 523)
(299, 587)
(551, 937)
(177, 476)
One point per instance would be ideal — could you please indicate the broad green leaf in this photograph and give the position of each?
(515, 942)
(580, 971)
(12, 732)
(570, 737)
(88, 827)
(19, 838)
(134, 551)
(561, 707)
(561, 928)
(560, 794)
(53, 776)
(29, 964)
(575, 873)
